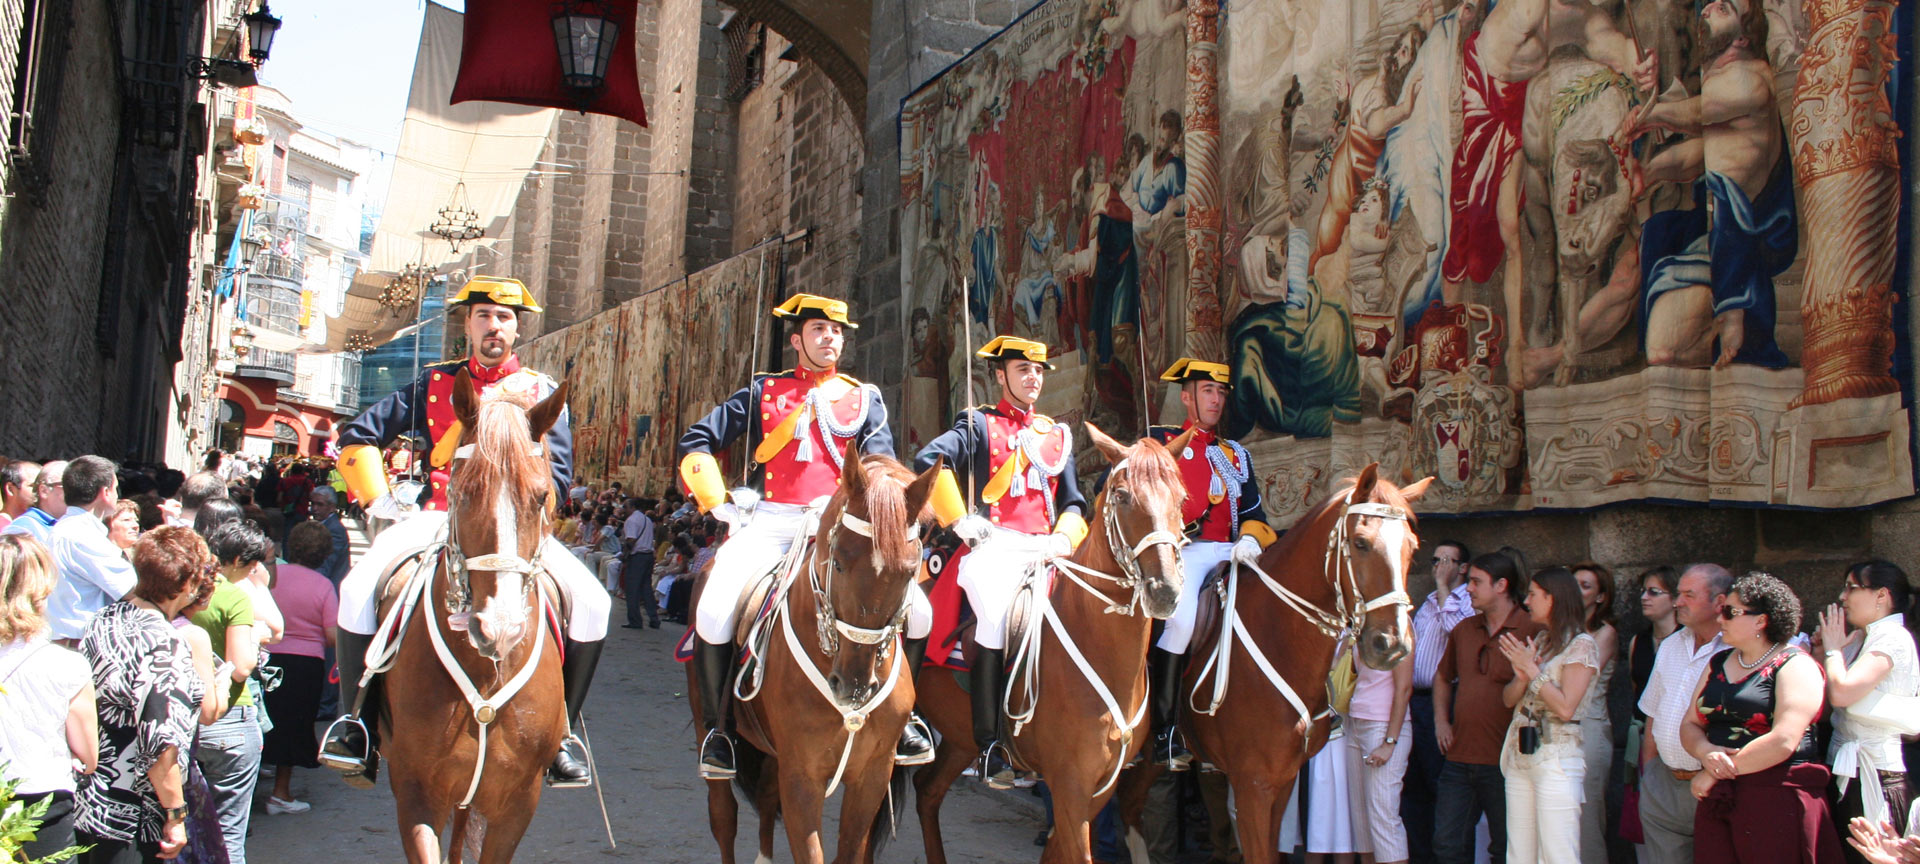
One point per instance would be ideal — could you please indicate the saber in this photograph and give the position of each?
(759, 298)
(966, 410)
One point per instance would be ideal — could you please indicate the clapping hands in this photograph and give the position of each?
(1524, 654)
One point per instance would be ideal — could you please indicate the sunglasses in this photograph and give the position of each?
(1654, 592)
(1437, 560)
(1728, 613)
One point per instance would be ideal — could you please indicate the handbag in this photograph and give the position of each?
(1340, 681)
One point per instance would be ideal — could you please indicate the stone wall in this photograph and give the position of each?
(692, 138)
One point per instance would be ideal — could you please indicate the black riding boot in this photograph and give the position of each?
(1163, 689)
(916, 741)
(988, 679)
(349, 745)
(570, 766)
(713, 670)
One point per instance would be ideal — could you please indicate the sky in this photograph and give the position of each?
(346, 64)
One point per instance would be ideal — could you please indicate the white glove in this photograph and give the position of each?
(973, 528)
(726, 512)
(1059, 545)
(390, 508)
(1246, 552)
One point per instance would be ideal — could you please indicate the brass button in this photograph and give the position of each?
(432, 398)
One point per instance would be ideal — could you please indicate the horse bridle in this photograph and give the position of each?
(459, 596)
(1130, 576)
(1344, 577)
(831, 625)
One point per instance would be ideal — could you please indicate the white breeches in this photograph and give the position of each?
(991, 574)
(1199, 559)
(754, 550)
(359, 609)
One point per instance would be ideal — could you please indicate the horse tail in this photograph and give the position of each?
(887, 818)
(750, 772)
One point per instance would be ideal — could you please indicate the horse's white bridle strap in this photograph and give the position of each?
(501, 564)
(1156, 538)
(865, 529)
(1377, 510)
(1393, 598)
(465, 451)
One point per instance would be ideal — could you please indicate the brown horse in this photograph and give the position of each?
(1341, 572)
(1086, 720)
(831, 696)
(470, 724)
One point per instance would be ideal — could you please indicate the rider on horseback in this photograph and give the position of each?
(1223, 501)
(494, 308)
(805, 419)
(1030, 508)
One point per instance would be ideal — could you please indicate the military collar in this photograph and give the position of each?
(489, 375)
(1006, 408)
(816, 378)
(1202, 437)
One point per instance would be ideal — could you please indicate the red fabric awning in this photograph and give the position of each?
(509, 56)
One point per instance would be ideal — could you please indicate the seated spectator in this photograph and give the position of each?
(150, 700)
(93, 573)
(1762, 787)
(1879, 657)
(51, 726)
(307, 598)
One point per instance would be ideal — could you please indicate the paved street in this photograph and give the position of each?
(638, 719)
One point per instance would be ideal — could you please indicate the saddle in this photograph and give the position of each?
(754, 620)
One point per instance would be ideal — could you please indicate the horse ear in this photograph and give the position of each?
(547, 413)
(1363, 485)
(920, 491)
(1107, 446)
(1412, 492)
(854, 475)
(1180, 441)
(465, 405)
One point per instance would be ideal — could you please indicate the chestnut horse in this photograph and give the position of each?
(450, 750)
(1089, 635)
(1261, 711)
(826, 704)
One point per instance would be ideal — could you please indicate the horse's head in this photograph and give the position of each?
(1377, 539)
(498, 496)
(1141, 517)
(868, 555)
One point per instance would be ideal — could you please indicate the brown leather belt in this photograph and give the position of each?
(1683, 776)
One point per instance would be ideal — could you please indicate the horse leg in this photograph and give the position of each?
(930, 785)
(500, 833)
(1131, 792)
(858, 807)
(801, 806)
(419, 821)
(1072, 816)
(768, 796)
(723, 816)
(1258, 808)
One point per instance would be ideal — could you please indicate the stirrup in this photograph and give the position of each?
(1003, 778)
(586, 762)
(914, 724)
(1170, 751)
(345, 763)
(716, 772)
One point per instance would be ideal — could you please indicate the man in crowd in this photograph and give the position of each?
(50, 503)
(1470, 716)
(93, 573)
(636, 576)
(195, 493)
(1433, 622)
(326, 511)
(16, 490)
(1666, 793)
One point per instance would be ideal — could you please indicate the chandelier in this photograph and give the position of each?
(458, 223)
(405, 286)
(358, 342)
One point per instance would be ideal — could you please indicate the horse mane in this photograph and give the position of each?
(1293, 537)
(887, 510)
(1151, 470)
(505, 456)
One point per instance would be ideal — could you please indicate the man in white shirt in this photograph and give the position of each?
(37, 522)
(1666, 768)
(1448, 605)
(637, 576)
(93, 573)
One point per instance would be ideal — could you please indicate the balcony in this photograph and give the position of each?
(275, 366)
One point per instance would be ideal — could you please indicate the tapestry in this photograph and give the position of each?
(1553, 254)
(644, 371)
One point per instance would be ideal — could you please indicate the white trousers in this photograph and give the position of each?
(1382, 786)
(359, 609)
(606, 565)
(1199, 559)
(750, 552)
(1543, 811)
(991, 573)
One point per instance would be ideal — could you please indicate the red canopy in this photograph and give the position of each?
(509, 56)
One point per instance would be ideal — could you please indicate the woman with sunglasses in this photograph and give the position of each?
(1553, 677)
(1762, 787)
(1869, 772)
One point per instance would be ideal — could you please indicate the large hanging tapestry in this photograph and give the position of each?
(643, 372)
(1554, 254)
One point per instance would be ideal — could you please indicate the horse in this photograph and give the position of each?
(451, 751)
(826, 703)
(1079, 730)
(1340, 573)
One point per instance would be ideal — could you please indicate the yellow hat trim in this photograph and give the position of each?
(799, 305)
(1011, 347)
(1189, 369)
(498, 290)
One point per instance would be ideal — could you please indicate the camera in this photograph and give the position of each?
(1529, 740)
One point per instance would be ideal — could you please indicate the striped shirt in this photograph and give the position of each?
(1431, 624)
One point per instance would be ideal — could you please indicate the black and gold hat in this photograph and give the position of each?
(1015, 348)
(498, 290)
(1188, 369)
(801, 307)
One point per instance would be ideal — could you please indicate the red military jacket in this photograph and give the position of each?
(799, 461)
(1027, 496)
(1222, 493)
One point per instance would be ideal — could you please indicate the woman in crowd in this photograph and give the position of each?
(229, 749)
(257, 581)
(606, 555)
(46, 698)
(1657, 585)
(307, 598)
(1543, 759)
(566, 529)
(1869, 772)
(1377, 731)
(1596, 729)
(1762, 787)
(150, 699)
(124, 528)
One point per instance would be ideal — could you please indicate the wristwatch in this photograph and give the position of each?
(174, 814)
(1392, 740)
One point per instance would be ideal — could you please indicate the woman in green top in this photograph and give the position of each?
(229, 748)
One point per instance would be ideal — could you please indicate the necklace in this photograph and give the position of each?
(1755, 664)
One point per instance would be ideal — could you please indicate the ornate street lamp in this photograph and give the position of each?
(261, 27)
(231, 71)
(585, 33)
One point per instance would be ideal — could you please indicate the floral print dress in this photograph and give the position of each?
(1736, 712)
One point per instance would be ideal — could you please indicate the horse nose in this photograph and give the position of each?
(1385, 646)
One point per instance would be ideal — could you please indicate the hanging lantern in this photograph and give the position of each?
(585, 32)
(261, 28)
